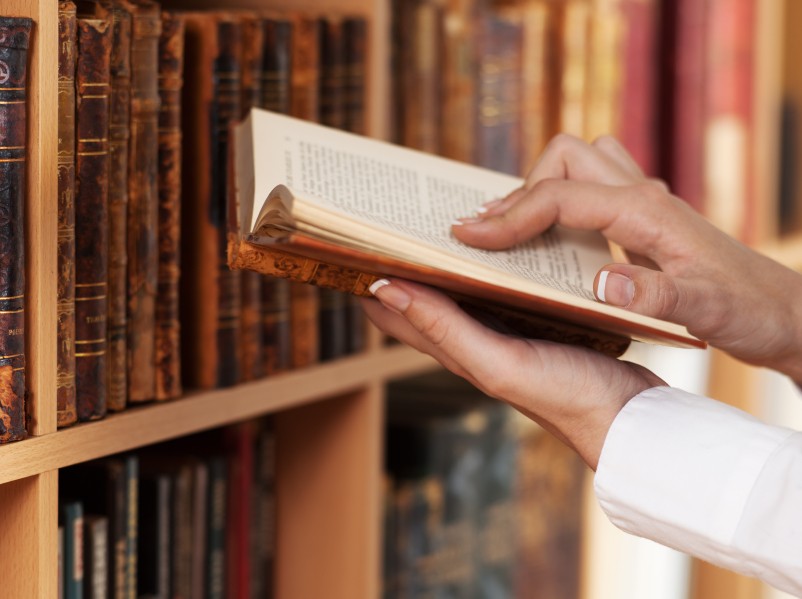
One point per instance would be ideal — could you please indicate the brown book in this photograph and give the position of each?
(276, 72)
(14, 39)
(119, 113)
(251, 341)
(93, 81)
(168, 328)
(65, 333)
(304, 100)
(332, 335)
(143, 201)
(210, 292)
(355, 32)
(343, 225)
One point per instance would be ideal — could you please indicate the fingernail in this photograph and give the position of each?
(468, 220)
(615, 288)
(391, 296)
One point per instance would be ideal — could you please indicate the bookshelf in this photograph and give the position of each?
(328, 417)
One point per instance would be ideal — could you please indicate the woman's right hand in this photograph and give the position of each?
(681, 269)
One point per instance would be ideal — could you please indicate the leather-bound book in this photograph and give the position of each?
(276, 71)
(65, 332)
(119, 114)
(355, 34)
(251, 342)
(168, 327)
(143, 201)
(91, 209)
(304, 98)
(210, 292)
(331, 84)
(14, 39)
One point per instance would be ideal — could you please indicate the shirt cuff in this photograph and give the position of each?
(678, 468)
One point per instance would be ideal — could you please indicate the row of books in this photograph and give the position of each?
(480, 503)
(147, 305)
(490, 82)
(192, 519)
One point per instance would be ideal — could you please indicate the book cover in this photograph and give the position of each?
(277, 33)
(210, 292)
(119, 133)
(168, 325)
(342, 225)
(65, 308)
(93, 84)
(143, 200)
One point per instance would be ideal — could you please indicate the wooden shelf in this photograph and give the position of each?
(152, 423)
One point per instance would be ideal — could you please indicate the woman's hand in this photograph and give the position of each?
(683, 269)
(573, 392)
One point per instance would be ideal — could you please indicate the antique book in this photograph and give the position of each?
(143, 200)
(251, 344)
(14, 39)
(65, 308)
(355, 33)
(95, 558)
(335, 209)
(210, 292)
(276, 71)
(168, 328)
(119, 133)
(332, 336)
(71, 516)
(304, 102)
(91, 209)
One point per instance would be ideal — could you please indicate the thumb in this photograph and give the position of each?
(645, 291)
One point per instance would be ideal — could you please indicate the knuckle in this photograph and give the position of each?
(434, 328)
(664, 298)
(563, 142)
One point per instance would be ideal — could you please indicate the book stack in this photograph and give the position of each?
(479, 502)
(147, 304)
(194, 518)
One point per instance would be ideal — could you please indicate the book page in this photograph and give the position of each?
(411, 194)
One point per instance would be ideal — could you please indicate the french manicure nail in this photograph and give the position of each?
(615, 289)
(391, 296)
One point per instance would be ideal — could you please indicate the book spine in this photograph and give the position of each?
(72, 515)
(14, 39)
(143, 201)
(65, 333)
(153, 560)
(276, 76)
(239, 440)
(215, 570)
(181, 533)
(263, 529)
(251, 342)
(131, 464)
(228, 96)
(200, 511)
(355, 34)
(331, 83)
(91, 214)
(210, 294)
(498, 110)
(304, 102)
(95, 548)
(575, 18)
(119, 113)
(168, 331)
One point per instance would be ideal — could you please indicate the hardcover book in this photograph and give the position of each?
(339, 210)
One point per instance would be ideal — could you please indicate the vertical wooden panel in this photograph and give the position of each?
(328, 498)
(29, 543)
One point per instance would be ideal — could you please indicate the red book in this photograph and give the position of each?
(240, 440)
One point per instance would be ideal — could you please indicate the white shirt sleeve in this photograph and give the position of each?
(709, 480)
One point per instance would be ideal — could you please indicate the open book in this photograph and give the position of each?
(335, 209)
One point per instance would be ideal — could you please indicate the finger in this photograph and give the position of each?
(652, 293)
(612, 148)
(630, 216)
(567, 157)
(448, 332)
